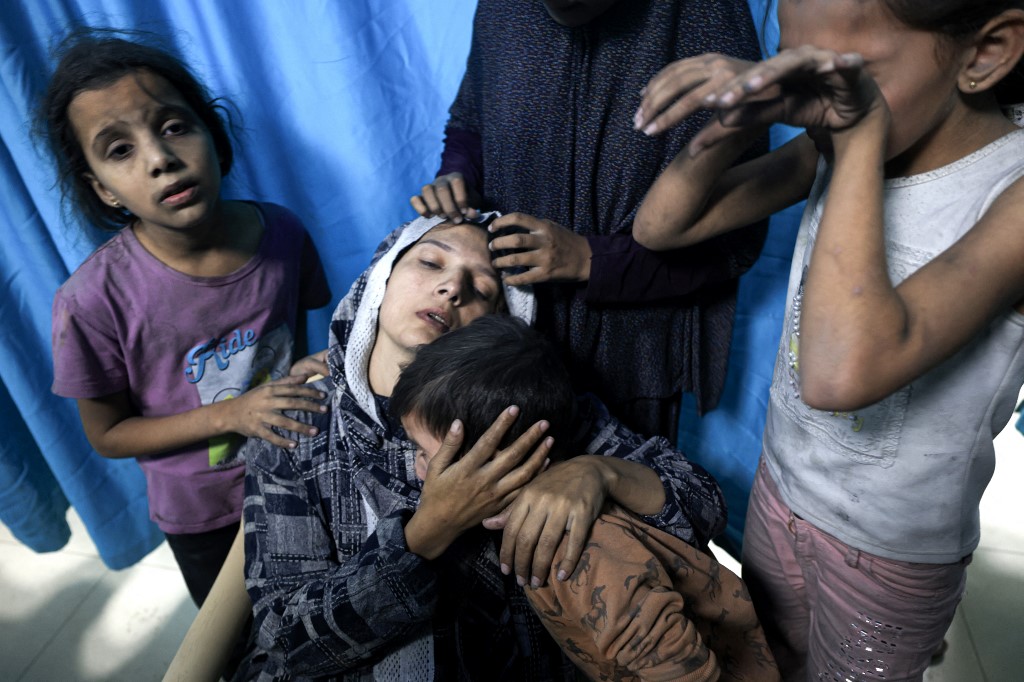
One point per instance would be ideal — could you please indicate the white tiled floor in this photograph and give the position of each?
(66, 617)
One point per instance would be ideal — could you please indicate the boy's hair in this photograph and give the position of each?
(474, 372)
(90, 59)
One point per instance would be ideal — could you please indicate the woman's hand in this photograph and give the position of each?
(547, 251)
(257, 410)
(459, 495)
(449, 196)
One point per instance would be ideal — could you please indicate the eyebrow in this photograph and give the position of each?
(163, 111)
(489, 272)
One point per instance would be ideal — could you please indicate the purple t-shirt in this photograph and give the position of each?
(126, 321)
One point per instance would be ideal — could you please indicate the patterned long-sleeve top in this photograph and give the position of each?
(336, 592)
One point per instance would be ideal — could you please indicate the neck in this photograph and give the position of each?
(384, 368)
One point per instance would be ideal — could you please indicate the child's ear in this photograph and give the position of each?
(998, 47)
(105, 195)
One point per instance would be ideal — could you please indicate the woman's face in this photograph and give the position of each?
(443, 282)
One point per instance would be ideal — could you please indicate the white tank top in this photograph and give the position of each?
(903, 478)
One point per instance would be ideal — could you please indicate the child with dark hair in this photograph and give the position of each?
(176, 334)
(641, 604)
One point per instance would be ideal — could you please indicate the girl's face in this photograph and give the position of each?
(916, 72)
(443, 282)
(148, 151)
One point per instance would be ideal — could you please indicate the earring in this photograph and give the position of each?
(115, 203)
(973, 85)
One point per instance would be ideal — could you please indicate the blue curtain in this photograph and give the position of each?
(727, 441)
(342, 109)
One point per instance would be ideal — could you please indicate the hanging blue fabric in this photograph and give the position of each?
(342, 107)
(727, 440)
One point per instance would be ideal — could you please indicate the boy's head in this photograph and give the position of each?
(472, 374)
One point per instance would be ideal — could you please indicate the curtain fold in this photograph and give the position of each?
(339, 112)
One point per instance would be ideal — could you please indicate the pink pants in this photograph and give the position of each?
(832, 612)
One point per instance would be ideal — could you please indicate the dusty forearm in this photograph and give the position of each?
(695, 199)
(851, 313)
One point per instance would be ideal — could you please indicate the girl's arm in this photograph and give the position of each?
(115, 429)
(700, 194)
(696, 198)
(861, 337)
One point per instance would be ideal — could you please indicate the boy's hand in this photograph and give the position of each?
(311, 366)
(257, 410)
(459, 495)
(565, 499)
(548, 251)
(449, 196)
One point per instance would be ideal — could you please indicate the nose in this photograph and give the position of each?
(452, 285)
(160, 157)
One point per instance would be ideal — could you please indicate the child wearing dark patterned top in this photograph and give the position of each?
(641, 604)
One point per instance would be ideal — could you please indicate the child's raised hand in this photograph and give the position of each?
(257, 410)
(458, 495)
(806, 87)
(449, 196)
(678, 90)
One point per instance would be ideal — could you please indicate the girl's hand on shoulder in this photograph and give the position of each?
(449, 196)
(545, 251)
(311, 366)
(257, 410)
(563, 500)
(458, 495)
(806, 87)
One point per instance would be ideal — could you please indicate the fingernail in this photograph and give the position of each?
(505, 570)
(457, 219)
(513, 410)
(728, 98)
(754, 83)
(638, 119)
(322, 395)
(292, 446)
(456, 427)
(650, 129)
(312, 432)
(710, 99)
(562, 575)
(534, 582)
(521, 581)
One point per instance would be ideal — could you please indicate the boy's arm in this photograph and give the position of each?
(696, 198)
(619, 613)
(115, 429)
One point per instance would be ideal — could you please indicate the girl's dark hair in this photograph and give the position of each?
(959, 20)
(474, 372)
(90, 59)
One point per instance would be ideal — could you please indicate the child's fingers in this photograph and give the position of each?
(524, 473)
(449, 448)
(511, 457)
(679, 90)
(268, 435)
(288, 424)
(489, 443)
(574, 544)
(515, 516)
